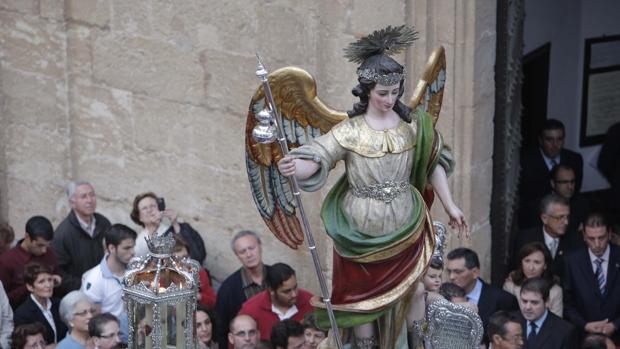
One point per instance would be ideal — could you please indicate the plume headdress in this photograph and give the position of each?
(380, 44)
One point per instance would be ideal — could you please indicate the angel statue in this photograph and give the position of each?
(377, 214)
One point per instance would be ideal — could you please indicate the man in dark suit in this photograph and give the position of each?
(609, 166)
(555, 213)
(464, 270)
(542, 328)
(563, 180)
(591, 283)
(536, 165)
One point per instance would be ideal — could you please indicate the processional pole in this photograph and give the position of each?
(275, 118)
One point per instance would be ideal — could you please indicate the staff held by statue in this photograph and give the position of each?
(267, 133)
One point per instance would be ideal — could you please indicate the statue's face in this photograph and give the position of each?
(383, 98)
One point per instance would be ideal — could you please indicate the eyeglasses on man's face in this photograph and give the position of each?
(250, 333)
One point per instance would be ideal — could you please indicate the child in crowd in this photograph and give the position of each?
(432, 278)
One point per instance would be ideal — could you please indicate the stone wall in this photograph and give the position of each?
(140, 95)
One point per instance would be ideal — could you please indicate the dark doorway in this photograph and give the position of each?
(534, 94)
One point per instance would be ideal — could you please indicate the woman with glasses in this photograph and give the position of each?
(76, 310)
(150, 212)
(105, 331)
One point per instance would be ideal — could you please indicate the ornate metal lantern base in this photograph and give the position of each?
(160, 297)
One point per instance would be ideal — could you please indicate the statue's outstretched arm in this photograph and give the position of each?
(439, 180)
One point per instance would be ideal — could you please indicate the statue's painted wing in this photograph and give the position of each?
(428, 94)
(304, 118)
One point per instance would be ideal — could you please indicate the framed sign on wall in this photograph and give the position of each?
(600, 104)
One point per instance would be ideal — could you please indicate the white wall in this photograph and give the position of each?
(566, 24)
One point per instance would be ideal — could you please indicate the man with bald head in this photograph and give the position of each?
(243, 332)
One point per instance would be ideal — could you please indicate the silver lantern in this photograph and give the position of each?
(160, 294)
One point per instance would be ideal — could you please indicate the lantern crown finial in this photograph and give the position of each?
(161, 245)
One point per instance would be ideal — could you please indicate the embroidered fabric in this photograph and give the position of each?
(385, 191)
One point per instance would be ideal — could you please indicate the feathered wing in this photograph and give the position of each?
(304, 117)
(428, 94)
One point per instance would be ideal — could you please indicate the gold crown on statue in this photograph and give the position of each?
(161, 245)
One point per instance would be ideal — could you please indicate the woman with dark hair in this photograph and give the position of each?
(148, 213)
(535, 261)
(29, 336)
(376, 213)
(39, 306)
(206, 325)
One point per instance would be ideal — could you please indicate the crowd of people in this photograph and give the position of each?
(63, 287)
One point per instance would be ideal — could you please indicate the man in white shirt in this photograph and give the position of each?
(103, 284)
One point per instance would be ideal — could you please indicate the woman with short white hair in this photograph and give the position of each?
(76, 309)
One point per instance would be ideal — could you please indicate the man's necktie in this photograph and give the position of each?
(554, 247)
(553, 164)
(600, 276)
(532, 336)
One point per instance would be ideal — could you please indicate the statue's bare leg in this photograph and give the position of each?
(365, 337)
(415, 317)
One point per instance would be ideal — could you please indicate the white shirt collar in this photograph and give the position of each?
(605, 255)
(89, 228)
(548, 237)
(549, 241)
(47, 313)
(287, 315)
(47, 308)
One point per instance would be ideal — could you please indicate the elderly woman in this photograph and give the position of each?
(76, 310)
(150, 215)
(28, 336)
